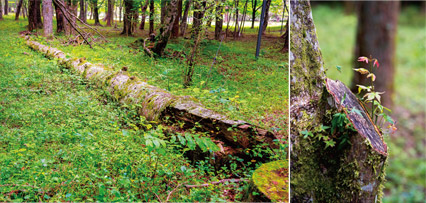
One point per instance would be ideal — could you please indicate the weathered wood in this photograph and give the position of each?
(156, 104)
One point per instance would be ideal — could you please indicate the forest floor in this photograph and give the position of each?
(406, 170)
(63, 140)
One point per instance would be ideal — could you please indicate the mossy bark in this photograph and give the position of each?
(157, 104)
(348, 172)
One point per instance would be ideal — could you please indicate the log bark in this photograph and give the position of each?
(159, 105)
(353, 169)
(376, 37)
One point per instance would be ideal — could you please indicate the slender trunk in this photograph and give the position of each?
(183, 23)
(130, 18)
(110, 13)
(83, 11)
(351, 171)
(1, 12)
(38, 14)
(60, 27)
(199, 10)
(47, 18)
(120, 11)
(175, 30)
(34, 20)
(266, 19)
(6, 7)
(96, 12)
(18, 9)
(219, 21)
(151, 16)
(376, 36)
(240, 30)
(24, 10)
(163, 11)
(143, 12)
(165, 30)
(253, 15)
(236, 18)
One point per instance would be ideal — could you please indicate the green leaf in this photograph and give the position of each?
(339, 68)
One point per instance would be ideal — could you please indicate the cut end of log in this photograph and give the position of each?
(360, 119)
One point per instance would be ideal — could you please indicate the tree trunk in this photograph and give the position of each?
(151, 16)
(18, 9)
(266, 19)
(60, 27)
(47, 18)
(199, 10)
(236, 18)
(175, 30)
(72, 8)
(110, 13)
(83, 11)
(130, 18)
(1, 12)
(143, 12)
(96, 12)
(165, 29)
(6, 7)
(376, 35)
(183, 23)
(351, 171)
(253, 14)
(34, 15)
(219, 21)
(285, 36)
(162, 10)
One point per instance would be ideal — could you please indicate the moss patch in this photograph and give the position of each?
(272, 180)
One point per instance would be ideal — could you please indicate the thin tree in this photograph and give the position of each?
(198, 15)
(253, 14)
(130, 17)
(47, 18)
(144, 7)
(376, 36)
(1, 12)
(60, 26)
(83, 11)
(110, 13)
(6, 7)
(34, 17)
(183, 23)
(151, 16)
(266, 19)
(175, 30)
(219, 20)
(18, 9)
(96, 12)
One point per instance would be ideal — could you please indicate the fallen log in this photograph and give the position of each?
(157, 104)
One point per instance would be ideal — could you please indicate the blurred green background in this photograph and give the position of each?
(336, 31)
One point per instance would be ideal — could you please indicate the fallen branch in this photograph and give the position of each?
(171, 192)
(217, 182)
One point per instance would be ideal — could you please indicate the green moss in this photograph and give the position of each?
(272, 180)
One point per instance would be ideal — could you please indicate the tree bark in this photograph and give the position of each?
(253, 14)
(18, 9)
(266, 19)
(165, 29)
(353, 169)
(110, 13)
(60, 27)
(130, 18)
(183, 23)
(6, 7)
(83, 11)
(376, 36)
(143, 12)
(236, 18)
(72, 8)
(96, 12)
(151, 16)
(1, 12)
(199, 10)
(219, 21)
(175, 30)
(47, 18)
(34, 15)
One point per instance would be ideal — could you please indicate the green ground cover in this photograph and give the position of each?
(406, 171)
(62, 140)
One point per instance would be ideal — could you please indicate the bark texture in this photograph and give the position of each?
(60, 26)
(376, 35)
(1, 12)
(183, 23)
(47, 18)
(175, 30)
(143, 12)
(151, 16)
(159, 105)
(18, 9)
(353, 169)
(96, 12)
(266, 19)
(165, 30)
(6, 7)
(219, 21)
(34, 15)
(110, 13)
(199, 10)
(83, 11)
(130, 17)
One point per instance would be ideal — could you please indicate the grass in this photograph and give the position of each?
(62, 140)
(406, 169)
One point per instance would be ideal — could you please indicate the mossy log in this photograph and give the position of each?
(157, 104)
(351, 171)
(269, 183)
